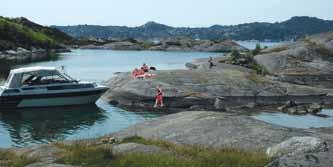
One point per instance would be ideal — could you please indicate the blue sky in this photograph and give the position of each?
(189, 13)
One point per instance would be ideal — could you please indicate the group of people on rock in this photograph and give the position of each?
(142, 73)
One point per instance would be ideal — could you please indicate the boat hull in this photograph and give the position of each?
(51, 99)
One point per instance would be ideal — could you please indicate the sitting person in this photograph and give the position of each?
(144, 67)
(211, 63)
(134, 73)
(140, 74)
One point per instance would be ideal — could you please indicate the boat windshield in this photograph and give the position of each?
(8, 79)
(51, 78)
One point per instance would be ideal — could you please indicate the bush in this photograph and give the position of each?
(235, 55)
(257, 50)
(246, 60)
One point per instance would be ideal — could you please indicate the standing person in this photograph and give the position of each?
(159, 97)
(211, 63)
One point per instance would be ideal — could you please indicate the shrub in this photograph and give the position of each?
(257, 50)
(246, 60)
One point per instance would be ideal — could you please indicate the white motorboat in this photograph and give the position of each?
(46, 87)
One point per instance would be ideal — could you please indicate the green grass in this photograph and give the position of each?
(35, 35)
(85, 155)
(177, 156)
(9, 159)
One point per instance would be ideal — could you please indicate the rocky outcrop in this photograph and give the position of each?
(212, 129)
(203, 88)
(170, 44)
(21, 55)
(118, 45)
(44, 153)
(300, 109)
(309, 56)
(137, 148)
(45, 164)
(319, 158)
(297, 145)
(289, 147)
(186, 44)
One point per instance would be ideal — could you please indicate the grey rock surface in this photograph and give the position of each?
(45, 164)
(319, 159)
(45, 153)
(311, 55)
(212, 129)
(200, 87)
(297, 145)
(21, 55)
(136, 148)
(171, 44)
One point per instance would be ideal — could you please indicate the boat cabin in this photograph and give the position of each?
(31, 76)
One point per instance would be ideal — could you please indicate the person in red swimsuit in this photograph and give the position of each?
(159, 97)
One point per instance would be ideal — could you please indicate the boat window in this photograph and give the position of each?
(27, 78)
(51, 79)
(37, 79)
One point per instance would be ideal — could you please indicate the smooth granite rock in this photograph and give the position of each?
(211, 129)
(297, 145)
(312, 55)
(136, 148)
(45, 164)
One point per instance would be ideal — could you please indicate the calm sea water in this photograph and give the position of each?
(298, 121)
(35, 126)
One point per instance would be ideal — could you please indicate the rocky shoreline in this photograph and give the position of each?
(21, 55)
(224, 87)
(167, 44)
(285, 146)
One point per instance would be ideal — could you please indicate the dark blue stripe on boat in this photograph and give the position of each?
(13, 101)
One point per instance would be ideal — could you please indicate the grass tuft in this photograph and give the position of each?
(85, 155)
(10, 159)
(89, 155)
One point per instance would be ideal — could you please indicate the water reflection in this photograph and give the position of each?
(43, 125)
